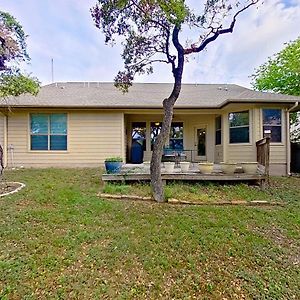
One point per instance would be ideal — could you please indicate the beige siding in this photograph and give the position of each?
(95, 135)
(278, 169)
(92, 136)
(247, 152)
(2, 125)
(3, 137)
(218, 153)
(239, 153)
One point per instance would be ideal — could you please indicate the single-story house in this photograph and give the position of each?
(77, 124)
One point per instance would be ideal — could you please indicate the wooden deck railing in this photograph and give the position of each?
(263, 154)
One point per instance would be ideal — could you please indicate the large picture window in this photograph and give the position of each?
(272, 122)
(176, 134)
(239, 127)
(218, 130)
(48, 132)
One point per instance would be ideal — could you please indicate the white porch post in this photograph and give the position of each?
(225, 135)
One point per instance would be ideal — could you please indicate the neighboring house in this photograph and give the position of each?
(81, 124)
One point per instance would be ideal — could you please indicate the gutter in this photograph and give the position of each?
(288, 142)
(154, 107)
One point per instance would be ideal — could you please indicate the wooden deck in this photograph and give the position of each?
(143, 175)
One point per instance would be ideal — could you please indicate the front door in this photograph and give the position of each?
(200, 143)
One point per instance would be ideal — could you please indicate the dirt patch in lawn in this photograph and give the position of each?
(276, 235)
(7, 188)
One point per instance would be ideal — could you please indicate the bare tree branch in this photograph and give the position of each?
(219, 31)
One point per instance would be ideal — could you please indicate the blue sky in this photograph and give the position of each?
(63, 30)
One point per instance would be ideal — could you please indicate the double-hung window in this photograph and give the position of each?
(239, 127)
(48, 132)
(272, 122)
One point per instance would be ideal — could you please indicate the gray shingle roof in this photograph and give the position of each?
(141, 95)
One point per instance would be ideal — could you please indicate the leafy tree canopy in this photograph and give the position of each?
(12, 52)
(281, 73)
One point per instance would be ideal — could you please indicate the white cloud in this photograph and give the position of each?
(258, 35)
(64, 30)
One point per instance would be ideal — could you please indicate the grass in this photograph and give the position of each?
(212, 192)
(60, 241)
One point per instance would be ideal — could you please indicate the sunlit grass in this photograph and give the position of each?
(60, 241)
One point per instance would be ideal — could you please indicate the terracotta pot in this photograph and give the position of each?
(206, 168)
(169, 166)
(228, 168)
(250, 167)
(184, 165)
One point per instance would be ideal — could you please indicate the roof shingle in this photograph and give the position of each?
(141, 95)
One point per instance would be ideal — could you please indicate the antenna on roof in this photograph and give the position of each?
(52, 70)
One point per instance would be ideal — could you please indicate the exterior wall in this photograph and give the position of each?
(95, 135)
(3, 136)
(225, 151)
(92, 137)
(247, 151)
(190, 122)
(218, 153)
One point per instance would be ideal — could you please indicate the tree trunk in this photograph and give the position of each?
(168, 104)
(155, 169)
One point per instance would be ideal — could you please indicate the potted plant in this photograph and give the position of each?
(113, 164)
(250, 167)
(228, 167)
(206, 167)
(184, 165)
(169, 166)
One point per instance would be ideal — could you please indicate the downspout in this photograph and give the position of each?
(288, 142)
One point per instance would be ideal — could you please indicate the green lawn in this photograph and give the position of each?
(58, 240)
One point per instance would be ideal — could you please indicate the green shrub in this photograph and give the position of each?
(114, 159)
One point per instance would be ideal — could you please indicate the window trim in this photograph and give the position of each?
(282, 124)
(48, 134)
(250, 125)
(218, 129)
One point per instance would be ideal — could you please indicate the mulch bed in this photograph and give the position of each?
(8, 187)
